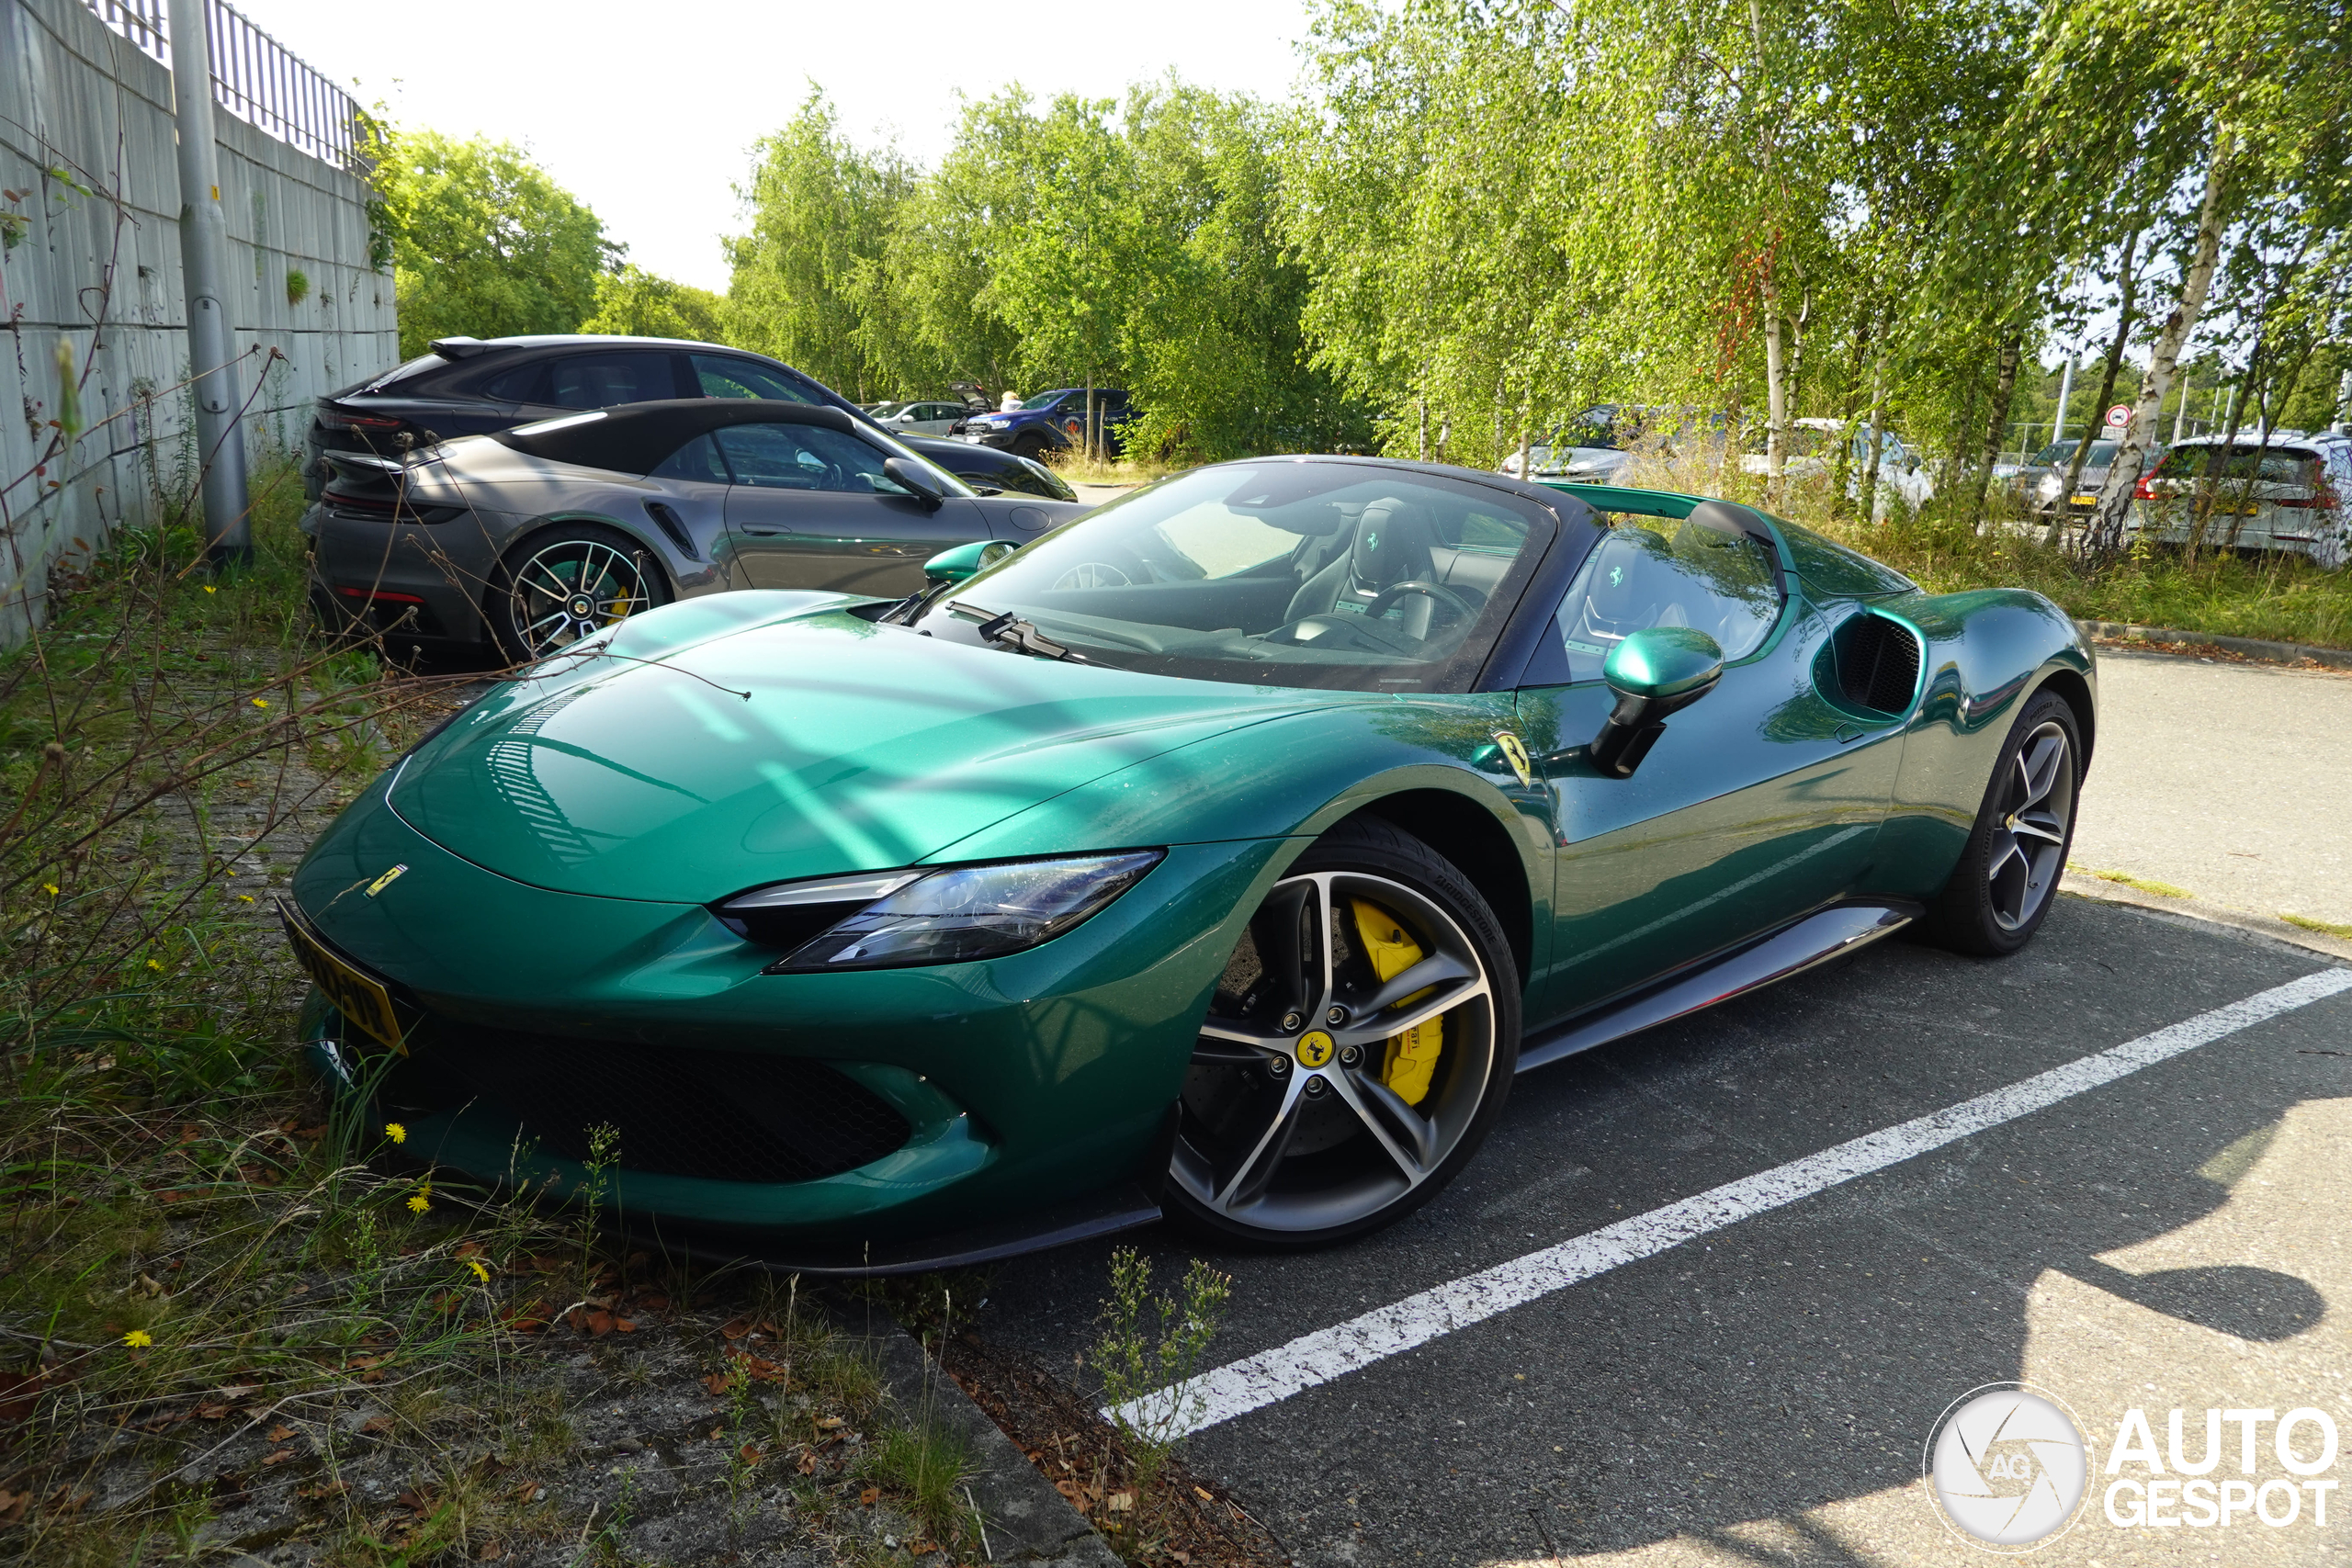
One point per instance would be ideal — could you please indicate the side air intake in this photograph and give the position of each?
(1877, 663)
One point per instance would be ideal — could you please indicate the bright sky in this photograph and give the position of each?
(646, 111)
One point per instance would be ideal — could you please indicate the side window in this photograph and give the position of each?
(698, 459)
(603, 380)
(523, 384)
(803, 457)
(1640, 577)
(724, 376)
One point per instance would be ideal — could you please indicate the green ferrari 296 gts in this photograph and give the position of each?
(1219, 855)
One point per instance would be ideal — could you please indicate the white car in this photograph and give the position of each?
(1812, 447)
(2295, 501)
(925, 419)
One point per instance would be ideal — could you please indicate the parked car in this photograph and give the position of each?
(2287, 494)
(2039, 485)
(538, 536)
(471, 387)
(1222, 854)
(1811, 448)
(1050, 422)
(1590, 448)
(923, 418)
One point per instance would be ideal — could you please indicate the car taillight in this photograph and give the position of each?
(374, 505)
(2140, 491)
(338, 419)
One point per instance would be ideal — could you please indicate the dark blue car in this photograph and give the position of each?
(1050, 422)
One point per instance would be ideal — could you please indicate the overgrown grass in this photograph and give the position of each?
(2275, 597)
(1080, 469)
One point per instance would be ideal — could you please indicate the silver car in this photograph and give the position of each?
(2287, 493)
(924, 419)
(533, 538)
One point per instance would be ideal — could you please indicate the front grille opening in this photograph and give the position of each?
(1874, 664)
(714, 1115)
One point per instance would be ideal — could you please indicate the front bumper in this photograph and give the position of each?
(1021, 1095)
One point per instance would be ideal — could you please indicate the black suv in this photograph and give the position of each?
(471, 387)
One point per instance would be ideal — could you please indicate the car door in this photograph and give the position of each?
(810, 507)
(1759, 802)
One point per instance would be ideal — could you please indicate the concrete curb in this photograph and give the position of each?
(2252, 647)
(2102, 891)
(1028, 1521)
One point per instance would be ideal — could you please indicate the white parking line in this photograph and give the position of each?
(1328, 1353)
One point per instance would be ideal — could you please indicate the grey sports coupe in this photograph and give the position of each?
(534, 536)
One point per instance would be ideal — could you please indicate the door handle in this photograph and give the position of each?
(764, 533)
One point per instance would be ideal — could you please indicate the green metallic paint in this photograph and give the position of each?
(960, 563)
(1663, 661)
(564, 837)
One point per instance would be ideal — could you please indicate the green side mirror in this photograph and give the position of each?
(963, 561)
(1654, 672)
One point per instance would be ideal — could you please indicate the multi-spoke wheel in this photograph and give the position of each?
(1360, 1045)
(2002, 887)
(569, 582)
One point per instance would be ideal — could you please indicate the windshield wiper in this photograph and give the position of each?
(1008, 630)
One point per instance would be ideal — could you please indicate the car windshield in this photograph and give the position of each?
(2207, 462)
(1045, 400)
(1350, 575)
(2056, 452)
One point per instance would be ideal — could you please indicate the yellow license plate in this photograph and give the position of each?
(2086, 501)
(357, 995)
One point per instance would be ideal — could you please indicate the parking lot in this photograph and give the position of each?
(1760, 1391)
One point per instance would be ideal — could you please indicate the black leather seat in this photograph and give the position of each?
(1392, 545)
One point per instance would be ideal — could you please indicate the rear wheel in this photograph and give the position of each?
(1029, 446)
(2001, 891)
(571, 581)
(1359, 1049)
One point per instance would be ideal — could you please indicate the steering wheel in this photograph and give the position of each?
(1422, 585)
(1095, 574)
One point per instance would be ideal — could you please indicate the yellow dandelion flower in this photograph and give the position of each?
(395, 1131)
(153, 965)
(480, 1272)
(245, 898)
(51, 887)
(210, 588)
(261, 702)
(139, 1340)
(418, 1203)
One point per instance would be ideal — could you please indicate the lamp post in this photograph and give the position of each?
(204, 245)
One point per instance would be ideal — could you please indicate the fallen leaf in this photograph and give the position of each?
(736, 1327)
(923, 1548)
(808, 1462)
(600, 1323)
(279, 1434)
(828, 1422)
(749, 1453)
(213, 1412)
(719, 1382)
(523, 1493)
(491, 1552)
(13, 1506)
(867, 1496)
(654, 1303)
(280, 1457)
(624, 1324)
(377, 1423)
(1120, 1502)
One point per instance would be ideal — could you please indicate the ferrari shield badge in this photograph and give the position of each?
(1516, 755)
(1314, 1048)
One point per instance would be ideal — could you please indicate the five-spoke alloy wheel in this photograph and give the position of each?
(1360, 1045)
(2002, 888)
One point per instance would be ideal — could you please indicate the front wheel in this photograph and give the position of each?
(2001, 890)
(1360, 1047)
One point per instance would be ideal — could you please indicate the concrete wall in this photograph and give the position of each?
(92, 260)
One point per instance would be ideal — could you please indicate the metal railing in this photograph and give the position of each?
(254, 77)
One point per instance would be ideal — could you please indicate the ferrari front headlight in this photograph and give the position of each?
(949, 916)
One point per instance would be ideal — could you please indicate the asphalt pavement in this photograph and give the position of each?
(1760, 1391)
(2226, 780)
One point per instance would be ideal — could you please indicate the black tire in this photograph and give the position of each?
(608, 577)
(1264, 1158)
(1033, 447)
(2007, 879)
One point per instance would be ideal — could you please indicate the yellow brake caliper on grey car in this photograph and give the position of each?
(1412, 1056)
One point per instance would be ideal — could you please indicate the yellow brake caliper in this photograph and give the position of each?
(1412, 1056)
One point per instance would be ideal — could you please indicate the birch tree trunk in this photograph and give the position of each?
(2106, 391)
(2005, 387)
(2123, 471)
(1776, 397)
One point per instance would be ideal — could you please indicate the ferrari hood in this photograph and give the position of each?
(803, 747)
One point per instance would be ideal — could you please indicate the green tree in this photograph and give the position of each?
(483, 242)
(634, 302)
